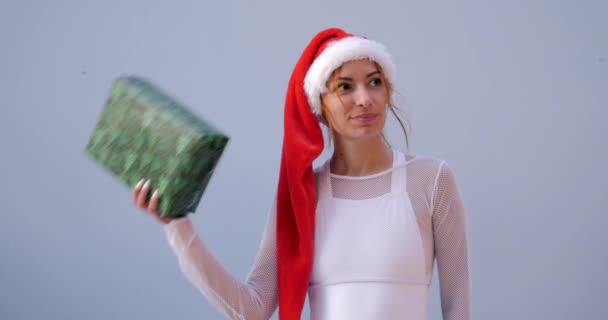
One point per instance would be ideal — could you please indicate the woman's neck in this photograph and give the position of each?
(361, 158)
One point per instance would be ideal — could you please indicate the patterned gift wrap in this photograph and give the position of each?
(144, 133)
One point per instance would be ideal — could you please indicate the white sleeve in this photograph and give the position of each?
(451, 248)
(256, 298)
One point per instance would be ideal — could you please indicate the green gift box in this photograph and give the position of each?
(144, 133)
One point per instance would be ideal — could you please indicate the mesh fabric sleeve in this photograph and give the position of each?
(451, 248)
(255, 298)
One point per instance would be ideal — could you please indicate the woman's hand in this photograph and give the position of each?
(140, 195)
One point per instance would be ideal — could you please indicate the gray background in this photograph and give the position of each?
(513, 94)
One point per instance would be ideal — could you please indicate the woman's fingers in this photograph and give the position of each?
(153, 206)
(142, 197)
(137, 189)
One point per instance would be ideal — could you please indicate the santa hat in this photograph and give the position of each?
(302, 144)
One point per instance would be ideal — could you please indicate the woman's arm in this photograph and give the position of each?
(451, 248)
(256, 298)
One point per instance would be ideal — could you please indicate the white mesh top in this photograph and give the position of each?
(376, 240)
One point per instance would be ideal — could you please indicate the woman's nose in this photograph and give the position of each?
(362, 97)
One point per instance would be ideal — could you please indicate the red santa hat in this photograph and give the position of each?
(302, 144)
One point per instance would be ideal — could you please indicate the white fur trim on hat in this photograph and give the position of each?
(336, 54)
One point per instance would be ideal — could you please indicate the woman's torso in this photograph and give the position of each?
(372, 258)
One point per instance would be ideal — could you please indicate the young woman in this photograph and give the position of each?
(360, 234)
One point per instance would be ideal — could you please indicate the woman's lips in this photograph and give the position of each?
(365, 118)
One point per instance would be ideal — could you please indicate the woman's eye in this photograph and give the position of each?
(376, 82)
(343, 86)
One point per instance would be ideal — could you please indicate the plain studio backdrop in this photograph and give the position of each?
(513, 94)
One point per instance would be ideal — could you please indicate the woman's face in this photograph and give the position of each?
(356, 103)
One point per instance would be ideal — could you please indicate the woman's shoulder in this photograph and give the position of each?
(426, 167)
(423, 160)
(431, 171)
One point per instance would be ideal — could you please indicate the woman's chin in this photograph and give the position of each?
(365, 134)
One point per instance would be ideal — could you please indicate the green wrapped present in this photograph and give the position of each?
(144, 133)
